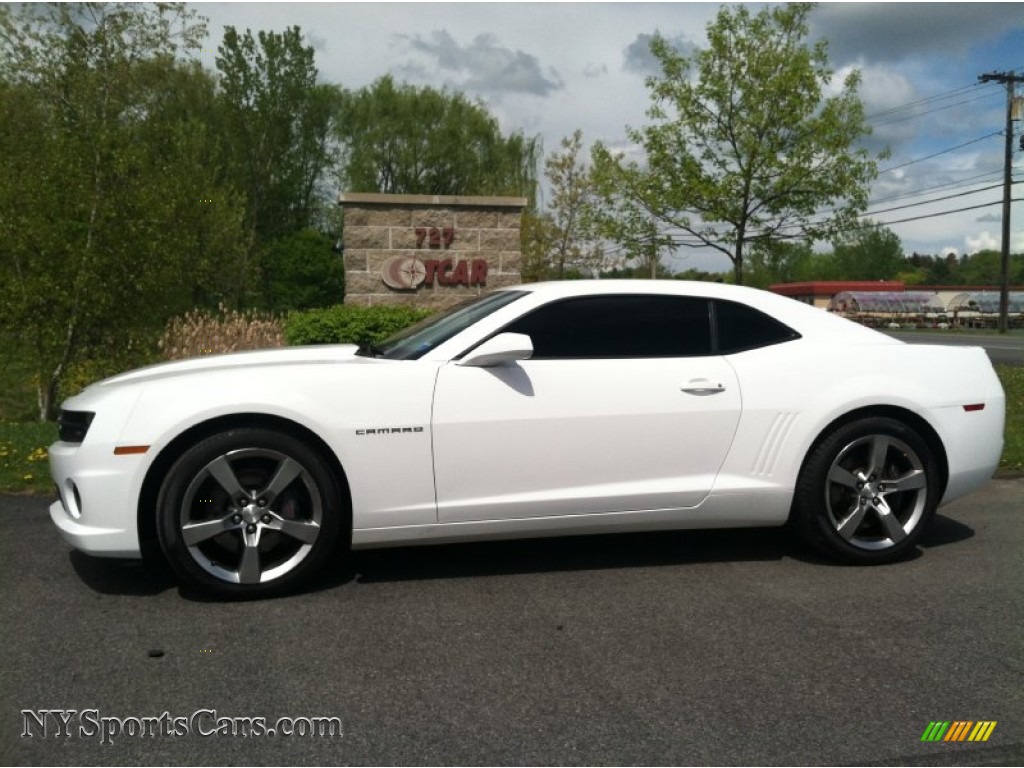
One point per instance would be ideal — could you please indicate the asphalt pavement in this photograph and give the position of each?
(694, 648)
(1004, 349)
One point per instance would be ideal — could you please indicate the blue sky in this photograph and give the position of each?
(550, 68)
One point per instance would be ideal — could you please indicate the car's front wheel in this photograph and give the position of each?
(867, 491)
(249, 512)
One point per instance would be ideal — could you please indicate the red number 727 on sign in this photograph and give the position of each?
(434, 237)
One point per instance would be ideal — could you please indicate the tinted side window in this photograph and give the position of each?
(741, 327)
(619, 327)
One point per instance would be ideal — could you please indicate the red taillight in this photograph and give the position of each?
(975, 407)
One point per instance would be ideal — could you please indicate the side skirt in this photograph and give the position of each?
(751, 509)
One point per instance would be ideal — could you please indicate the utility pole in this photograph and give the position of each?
(1010, 79)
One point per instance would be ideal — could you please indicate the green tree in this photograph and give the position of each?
(564, 241)
(699, 275)
(400, 139)
(911, 277)
(644, 272)
(984, 268)
(918, 269)
(938, 270)
(537, 240)
(307, 273)
(111, 217)
(743, 145)
(636, 233)
(279, 123)
(868, 252)
(774, 262)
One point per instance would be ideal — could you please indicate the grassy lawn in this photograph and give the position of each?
(989, 333)
(24, 469)
(23, 464)
(17, 384)
(1013, 449)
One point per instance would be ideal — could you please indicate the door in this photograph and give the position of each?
(621, 408)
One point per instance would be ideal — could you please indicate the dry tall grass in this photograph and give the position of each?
(198, 333)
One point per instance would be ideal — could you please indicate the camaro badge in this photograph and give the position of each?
(389, 431)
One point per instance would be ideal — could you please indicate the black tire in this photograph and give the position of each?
(249, 513)
(867, 491)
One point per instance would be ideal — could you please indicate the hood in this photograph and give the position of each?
(332, 353)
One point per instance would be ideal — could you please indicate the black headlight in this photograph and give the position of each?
(73, 425)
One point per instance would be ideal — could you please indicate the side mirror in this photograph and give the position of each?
(500, 349)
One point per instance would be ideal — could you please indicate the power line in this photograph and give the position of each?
(943, 152)
(920, 102)
(824, 213)
(942, 213)
(968, 181)
(692, 241)
(935, 200)
(944, 107)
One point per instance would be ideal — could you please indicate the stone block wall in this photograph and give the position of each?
(428, 252)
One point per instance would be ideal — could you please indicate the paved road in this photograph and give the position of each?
(1007, 350)
(730, 647)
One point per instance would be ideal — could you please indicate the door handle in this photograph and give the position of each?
(702, 387)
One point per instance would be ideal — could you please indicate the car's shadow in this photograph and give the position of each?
(573, 553)
(945, 530)
(122, 577)
(521, 556)
(609, 551)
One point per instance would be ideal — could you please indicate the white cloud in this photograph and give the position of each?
(485, 65)
(898, 31)
(985, 241)
(638, 57)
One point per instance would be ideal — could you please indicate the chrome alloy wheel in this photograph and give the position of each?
(251, 515)
(876, 492)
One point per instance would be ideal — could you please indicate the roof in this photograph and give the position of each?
(886, 301)
(821, 287)
(811, 322)
(986, 301)
(375, 198)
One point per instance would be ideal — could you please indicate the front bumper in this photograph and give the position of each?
(97, 509)
(93, 540)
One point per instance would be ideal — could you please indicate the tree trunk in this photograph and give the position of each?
(737, 259)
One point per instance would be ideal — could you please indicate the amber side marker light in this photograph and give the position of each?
(975, 407)
(128, 450)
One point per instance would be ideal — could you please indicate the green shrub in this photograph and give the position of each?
(345, 324)
(300, 271)
(104, 357)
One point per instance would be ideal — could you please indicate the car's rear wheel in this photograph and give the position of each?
(249, 512)
(867, 491)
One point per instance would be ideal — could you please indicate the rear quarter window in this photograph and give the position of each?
(741, 328)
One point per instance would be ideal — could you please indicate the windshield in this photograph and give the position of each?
(415, 341)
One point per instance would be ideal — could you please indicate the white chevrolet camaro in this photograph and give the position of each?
(540, 410)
